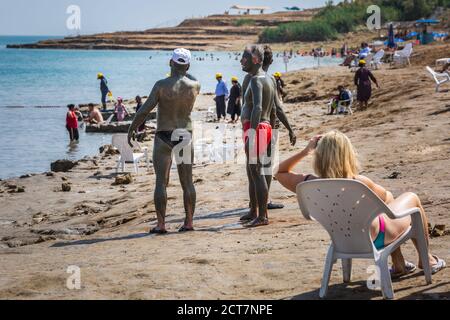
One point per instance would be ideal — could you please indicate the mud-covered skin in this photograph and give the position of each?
(175, 97)
(277, 112)
(258, 104)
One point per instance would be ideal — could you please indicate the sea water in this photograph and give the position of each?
(36, 85)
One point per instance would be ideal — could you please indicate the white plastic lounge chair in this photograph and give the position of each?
(355, 63)
(346, 209)
(403, 57)
(376, 62)
(127, 155)
(342, 107)
(439, 78)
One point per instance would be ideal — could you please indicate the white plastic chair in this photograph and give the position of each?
(127, 155)
(355, 63)
(439, 78)
(402, 57)
(376, 61)
(346, 209)
(343, 105)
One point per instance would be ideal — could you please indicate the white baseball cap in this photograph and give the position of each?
(181, 56)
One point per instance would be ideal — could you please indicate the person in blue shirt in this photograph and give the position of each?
(222, 94)
(103, 88)
(364, 52)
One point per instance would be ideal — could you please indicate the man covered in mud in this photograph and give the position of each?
(256, 115)
(277, 115)
(175, 97)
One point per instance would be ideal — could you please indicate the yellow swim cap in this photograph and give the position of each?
(99, 75)
(218, 75)
(362, 61)
(234, 79)
(277, 74)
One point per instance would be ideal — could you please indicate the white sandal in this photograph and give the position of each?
(438, 266)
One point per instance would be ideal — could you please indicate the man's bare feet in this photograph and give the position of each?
(158, 230)
(186, 229)
(258, 222)
(248, 217)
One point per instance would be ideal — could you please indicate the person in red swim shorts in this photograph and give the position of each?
(256, 115)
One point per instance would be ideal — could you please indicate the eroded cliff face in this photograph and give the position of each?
(217, 32)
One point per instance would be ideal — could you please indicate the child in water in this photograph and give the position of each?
(120, 110)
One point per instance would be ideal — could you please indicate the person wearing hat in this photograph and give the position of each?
(103, 88)
(363, 82)
(175, 97)
(280, 85)
(221, 96)
(234, 102)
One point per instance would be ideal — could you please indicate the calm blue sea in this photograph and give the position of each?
(30, 137)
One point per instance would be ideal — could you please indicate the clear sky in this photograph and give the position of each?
(48, 17)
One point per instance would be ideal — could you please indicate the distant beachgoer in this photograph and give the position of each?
(120, 110)
(335, 158)
(221, 96)
(280, 85)
(72, 123)
(364, 51)
(103, 88)
(234, 102)
(340, 100)
(363, 78)
(95, 116)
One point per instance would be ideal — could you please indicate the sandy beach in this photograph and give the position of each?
(403, 140)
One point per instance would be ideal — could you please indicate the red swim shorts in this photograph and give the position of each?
(263, 136)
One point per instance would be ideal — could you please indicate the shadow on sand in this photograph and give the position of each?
(216, 215)
(359, 291)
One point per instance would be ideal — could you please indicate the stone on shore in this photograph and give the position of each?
(124, 179)
(63, 165)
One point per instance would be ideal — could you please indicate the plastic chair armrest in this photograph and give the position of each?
(406, 213)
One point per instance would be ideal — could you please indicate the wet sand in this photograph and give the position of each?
(103, 229)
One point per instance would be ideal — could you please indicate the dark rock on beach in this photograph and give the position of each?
(62, 165)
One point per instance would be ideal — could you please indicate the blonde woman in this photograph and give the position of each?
(335, 158)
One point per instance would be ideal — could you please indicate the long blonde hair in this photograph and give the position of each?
(335, 157)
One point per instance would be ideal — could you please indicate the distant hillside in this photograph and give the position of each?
(216, 32)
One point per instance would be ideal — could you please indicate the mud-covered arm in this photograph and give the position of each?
(257, 93)
(144, 111)
(284, 120)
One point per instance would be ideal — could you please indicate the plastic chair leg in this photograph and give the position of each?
(347, 270)
(385, 277)
(327, 272)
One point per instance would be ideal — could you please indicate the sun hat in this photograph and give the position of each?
(218, 75)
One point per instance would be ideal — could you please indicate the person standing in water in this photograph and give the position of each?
(175, 97)
(103, 88)
(72, 123)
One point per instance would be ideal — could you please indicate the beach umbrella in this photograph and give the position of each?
(391, 41)
(412, 34)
